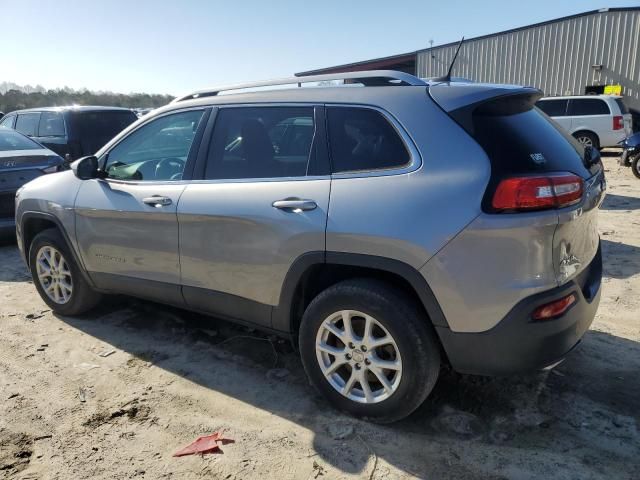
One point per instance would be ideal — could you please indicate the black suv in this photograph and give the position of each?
(77, 131)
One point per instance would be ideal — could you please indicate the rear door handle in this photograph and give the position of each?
(157, 201)
(295, 204)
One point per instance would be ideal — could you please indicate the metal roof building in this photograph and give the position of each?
(572, 55)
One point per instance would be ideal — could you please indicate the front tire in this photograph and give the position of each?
(368, 348)
(57, 277)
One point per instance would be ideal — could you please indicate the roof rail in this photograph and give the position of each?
(371, 78)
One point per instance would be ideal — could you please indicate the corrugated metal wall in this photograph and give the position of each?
(555, 57)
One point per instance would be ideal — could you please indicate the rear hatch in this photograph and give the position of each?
(18, 167)
(535, 166)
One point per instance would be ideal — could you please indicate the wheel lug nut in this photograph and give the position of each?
(363, 348)
(357, 366)
(348, 356)
(351, 345)
(367, 361)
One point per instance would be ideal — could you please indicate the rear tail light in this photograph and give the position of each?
(538, 192)
(554, 309)
(618, 122)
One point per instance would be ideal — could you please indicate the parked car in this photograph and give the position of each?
(21, 160)
(388, 228)
(631, 153)
(599, 121)
(76, 131)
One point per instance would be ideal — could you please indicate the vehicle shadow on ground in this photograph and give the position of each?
(621, 260)
(614, 201)
(470, 427)
(12, 272)
(462, 412)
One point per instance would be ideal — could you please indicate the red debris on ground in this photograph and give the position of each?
(207, 444)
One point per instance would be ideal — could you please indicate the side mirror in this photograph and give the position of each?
(85, 168)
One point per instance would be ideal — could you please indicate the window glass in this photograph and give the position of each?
(588, 106)
(621, 105)
(261, 142)
(362, 139)
(27, 123)
(8, 121)
(51, 125)
(553, 108)
(95, 128)
(12, 140)
(156, 151)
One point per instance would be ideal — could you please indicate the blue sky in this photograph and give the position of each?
(161, 46)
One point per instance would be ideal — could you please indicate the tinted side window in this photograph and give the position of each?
(362, 139)
(261, 142)
(27, 123)
(553, 108)
(8, 121)
(51, 125)
(93, 129)
(588, 106)
(155, 151)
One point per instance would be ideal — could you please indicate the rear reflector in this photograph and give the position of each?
(538, 192)
(554, 309)
(618, 122)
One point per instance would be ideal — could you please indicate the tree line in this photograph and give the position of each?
(16, 99)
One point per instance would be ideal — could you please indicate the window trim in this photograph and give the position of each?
(64, 125)
(198, 177)
(191, 158)
(415, 159)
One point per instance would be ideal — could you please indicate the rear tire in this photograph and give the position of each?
(587, 139)
(635, 165)
(392, 349)
(57, 277)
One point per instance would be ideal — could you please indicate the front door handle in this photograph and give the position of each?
(157, 201)
(295, 204)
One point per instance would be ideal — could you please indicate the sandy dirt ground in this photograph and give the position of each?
(67, 412)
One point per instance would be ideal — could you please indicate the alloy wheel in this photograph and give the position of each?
(585, 141)
(54, 274)
(358, 356)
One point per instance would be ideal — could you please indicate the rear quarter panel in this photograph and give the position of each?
(410, 216)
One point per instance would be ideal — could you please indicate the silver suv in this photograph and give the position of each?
(390, 225)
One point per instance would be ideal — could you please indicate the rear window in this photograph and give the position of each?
(27, 123)
(11, 140)
(361, 139)
(94, 129)
(527, 142)
(623, 108)
(553, 108)
(588, 106)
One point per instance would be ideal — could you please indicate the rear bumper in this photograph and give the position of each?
(519, 344)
